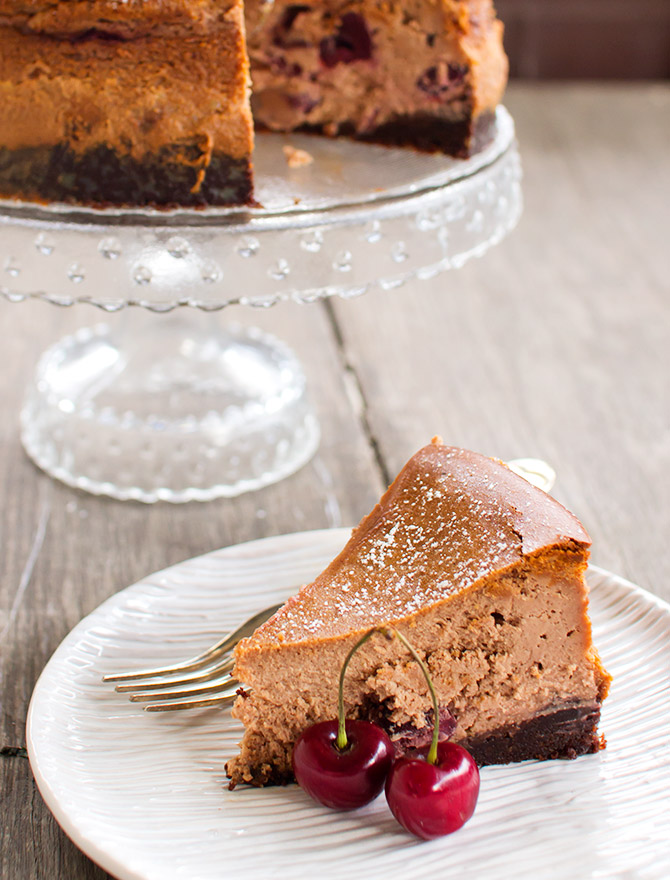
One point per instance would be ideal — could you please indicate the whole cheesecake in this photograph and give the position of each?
(484, 574)
(147, 102)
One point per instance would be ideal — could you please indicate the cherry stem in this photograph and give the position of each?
(432, 752)
(342, 742)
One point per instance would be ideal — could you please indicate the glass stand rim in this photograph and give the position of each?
(417, 215)
(431, 215)
(383, 179)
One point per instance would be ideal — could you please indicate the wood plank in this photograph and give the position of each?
(32, 845)
(557, 343)
(64, 551)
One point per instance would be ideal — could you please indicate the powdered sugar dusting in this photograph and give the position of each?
(446, 522)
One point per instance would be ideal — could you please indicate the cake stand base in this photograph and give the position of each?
(175, 409)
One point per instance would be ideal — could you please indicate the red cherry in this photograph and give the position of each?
(352, 42)
(342, 778)
(430, 800)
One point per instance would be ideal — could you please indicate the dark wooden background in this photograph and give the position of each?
(576, 39)
(556, 344)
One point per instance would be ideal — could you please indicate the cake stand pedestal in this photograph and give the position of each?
(179, 408)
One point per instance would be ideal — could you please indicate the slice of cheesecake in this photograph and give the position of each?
(484, 574)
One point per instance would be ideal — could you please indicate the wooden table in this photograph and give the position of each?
(555, 345)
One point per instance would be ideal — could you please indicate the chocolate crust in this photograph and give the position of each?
(260, 777)
(563, 733)
(178, 175)
(428, 134)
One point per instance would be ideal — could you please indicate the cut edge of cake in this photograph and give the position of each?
(411, 74)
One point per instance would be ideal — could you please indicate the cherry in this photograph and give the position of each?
(352, 42)
(343, 778)
(430, 800)
(436, 794)
(343, 764)
(438, 80)
(281, 34)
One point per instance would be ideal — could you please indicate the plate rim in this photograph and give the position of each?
(107, 860)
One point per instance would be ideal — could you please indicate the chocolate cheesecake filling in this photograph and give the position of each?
(399, 74)
(138, 104)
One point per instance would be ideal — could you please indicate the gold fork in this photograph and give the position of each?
(208, 681)
(211, 686)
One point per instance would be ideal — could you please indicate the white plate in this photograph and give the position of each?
(145, 796)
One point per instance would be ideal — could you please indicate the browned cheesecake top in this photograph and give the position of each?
(451, 518)
(125, 18)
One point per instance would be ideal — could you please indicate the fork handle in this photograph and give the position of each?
(213, 653)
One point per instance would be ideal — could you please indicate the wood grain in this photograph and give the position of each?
(64, 552)
(556, 344)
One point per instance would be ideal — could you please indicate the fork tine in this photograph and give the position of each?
(213, 672)
(168, 706)
(211, 688)
(208, 656)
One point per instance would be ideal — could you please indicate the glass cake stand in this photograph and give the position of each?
(179, 408)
